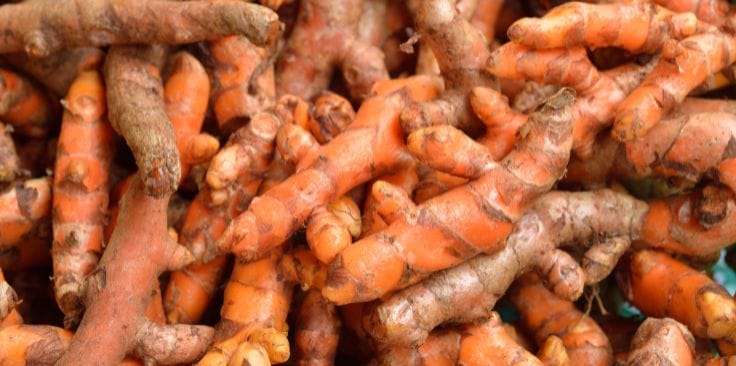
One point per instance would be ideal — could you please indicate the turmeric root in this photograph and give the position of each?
(471, 219)
(325, 36)
(190, 290)
(9, 163)
(8, 298)
(673, 224)
(300, 266)
(24, 105)
(661, 286)
(256, 303)
(57, 71)
(433, 182)
(599, 93)
(141, 117)
(23, 345)
(42, 27)
(545, 314)
(405, 178)
(372, 145)
(117, 294)
(484, 17)
(661, 342)
(636, 26)
(574, 219)
(687, 148)
(26, 212)
(710, 11)
(245, 157)
(332, 228)
(317, 331)
(482, 344)
(332, 114)
(461, 53)
(185, 95)
(238, 91)
(553, 353)
(81, 181)
(701, 55)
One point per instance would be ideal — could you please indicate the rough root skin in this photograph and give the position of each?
(661, 342)
(407, 316)
(464, 222)
(118, 292)
(42, 27)
(138, 113)
(81, 185)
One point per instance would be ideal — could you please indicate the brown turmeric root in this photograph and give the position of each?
(138, 113)
(545, 314)
(42, 27)
(556, 219)
(9, 162)
(461, 52)
(118, 291)
(661, 342)
(661, 286)
(481, 344)
(24, 105)
(57, 71)
(372, 145)
(81, 191)
(471, 219)
(238, 90)
(317, 330)
(324, 37)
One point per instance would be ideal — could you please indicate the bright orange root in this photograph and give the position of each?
(185, 95)
(636, 26)
(667, 85)
(238, 93)
(544, 314)
(24, 105)
(661, 286)
(81, 185)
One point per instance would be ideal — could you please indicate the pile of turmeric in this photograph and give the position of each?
(311, 182)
